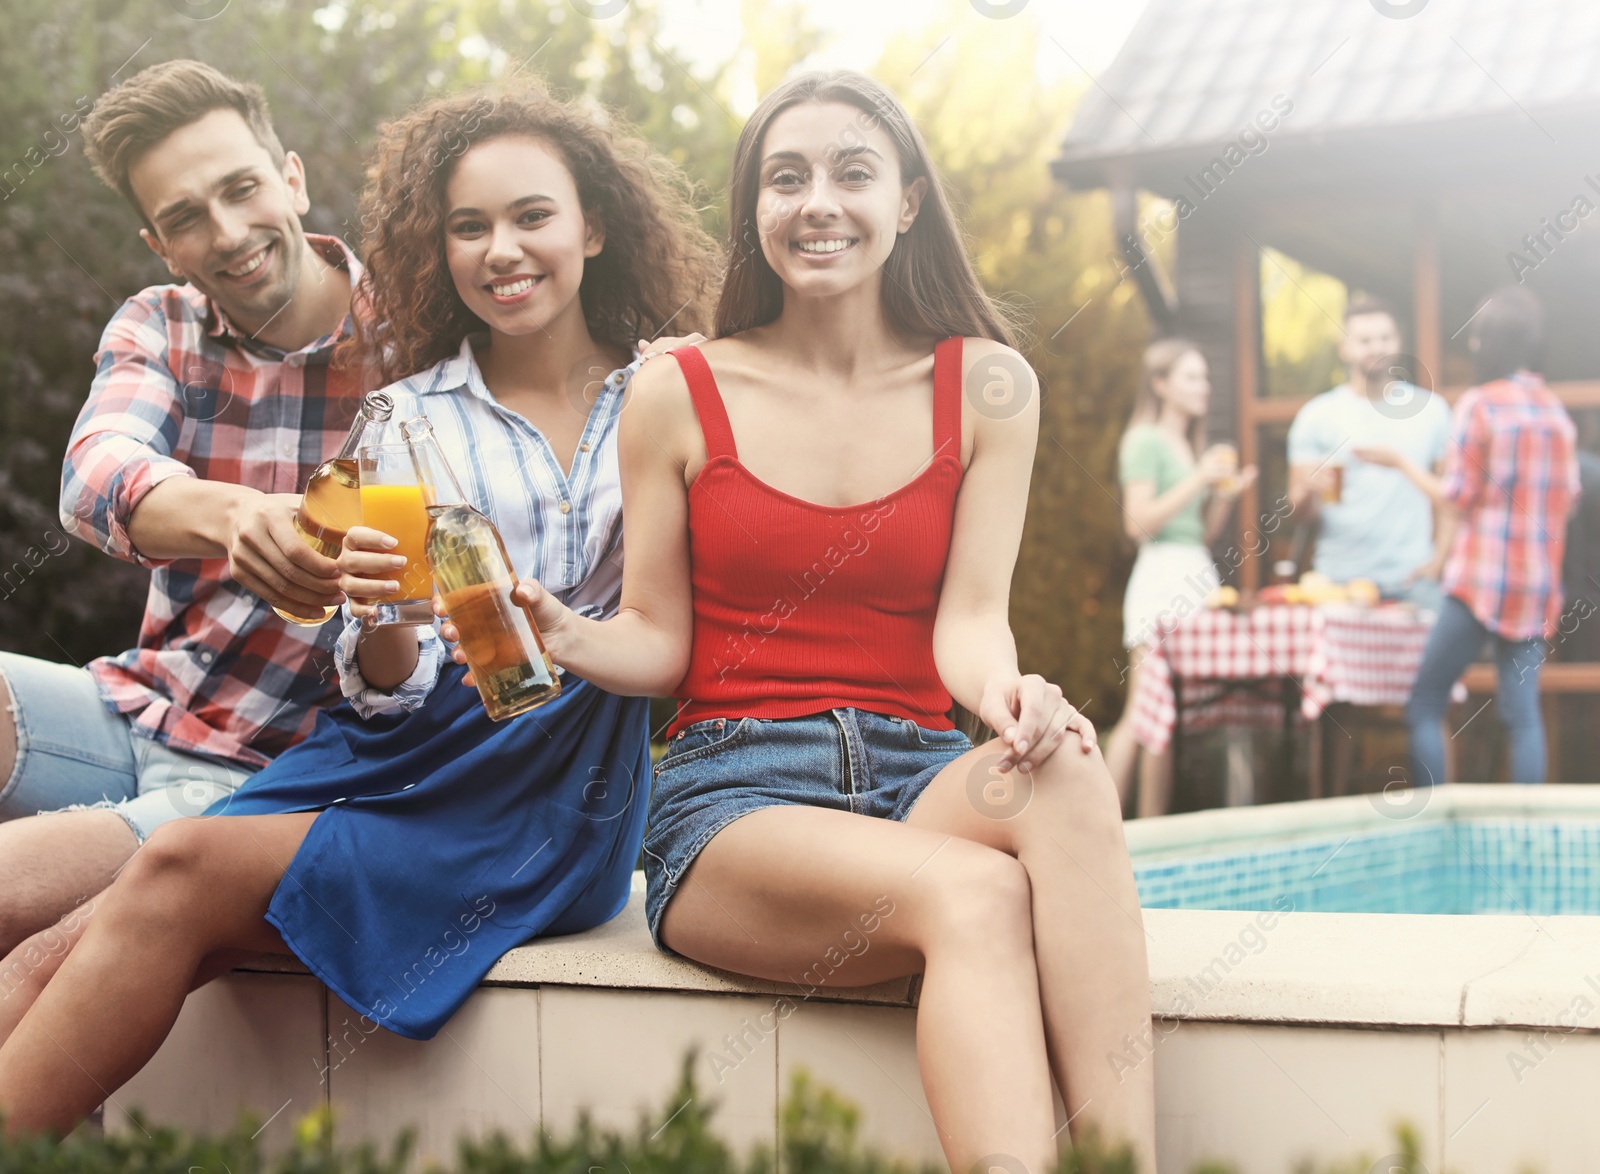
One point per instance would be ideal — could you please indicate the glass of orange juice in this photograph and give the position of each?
(391, 501)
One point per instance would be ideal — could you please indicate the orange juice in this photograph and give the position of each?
(399, 512)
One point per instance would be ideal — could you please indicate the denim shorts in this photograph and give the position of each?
(717, 770)
(73, 754)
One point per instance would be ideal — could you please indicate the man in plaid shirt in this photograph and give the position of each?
(212, 403)
(1511, 480)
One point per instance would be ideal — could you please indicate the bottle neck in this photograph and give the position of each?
(434, 474)
(368, 425)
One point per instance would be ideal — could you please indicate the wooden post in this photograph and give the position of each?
(1246, 386)
(1428, 345)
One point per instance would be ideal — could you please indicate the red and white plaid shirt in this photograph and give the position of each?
(180, 392)
(1512, 470)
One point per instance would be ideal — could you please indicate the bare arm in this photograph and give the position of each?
(1428, 480)
(184, 517)
(1221, 504)
(1446, 521)
(642, 651)
(126, 487)
(386, 655)
(1306, 484)
(973, 646)
(1461, 486)
(1145, 515)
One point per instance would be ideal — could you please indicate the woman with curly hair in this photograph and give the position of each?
(516, 249)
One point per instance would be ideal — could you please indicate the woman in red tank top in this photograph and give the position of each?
(823, 508)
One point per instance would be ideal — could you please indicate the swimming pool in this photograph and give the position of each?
(1322, 969)
(1455, 865)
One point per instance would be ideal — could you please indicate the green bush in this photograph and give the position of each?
(818, 1134)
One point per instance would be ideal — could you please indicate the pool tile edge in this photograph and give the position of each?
(1366, 969)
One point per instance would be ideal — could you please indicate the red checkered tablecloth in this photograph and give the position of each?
(1362, 655)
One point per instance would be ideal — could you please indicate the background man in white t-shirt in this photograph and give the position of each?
(1381, 441)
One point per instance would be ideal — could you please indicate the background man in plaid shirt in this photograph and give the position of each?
(212, 403)
(1511, 480)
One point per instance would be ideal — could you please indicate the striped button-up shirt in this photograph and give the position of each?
(180, 392)
(1512, 470)
(563, 529)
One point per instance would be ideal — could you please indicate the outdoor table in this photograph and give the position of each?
(1282, 659)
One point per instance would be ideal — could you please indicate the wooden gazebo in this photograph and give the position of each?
(1424, 158)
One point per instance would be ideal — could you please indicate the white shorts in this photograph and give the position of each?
(1170, 580)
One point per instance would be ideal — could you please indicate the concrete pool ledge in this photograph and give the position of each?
(1360, 969)
(1372, 969)
(1281, 1035)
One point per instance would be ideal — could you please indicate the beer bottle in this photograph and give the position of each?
(473, 574)
(332, 501)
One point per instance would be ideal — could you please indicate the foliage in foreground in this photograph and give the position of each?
(819, 1134)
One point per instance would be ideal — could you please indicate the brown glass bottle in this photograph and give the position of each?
(474, 577)
(332, 500)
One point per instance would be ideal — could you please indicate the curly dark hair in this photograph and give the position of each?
(654, 271)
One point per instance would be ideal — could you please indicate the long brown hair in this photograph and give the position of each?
(653, 272)
(1160, 357)
(930, 287)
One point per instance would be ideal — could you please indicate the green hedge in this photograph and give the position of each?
(819, 1135)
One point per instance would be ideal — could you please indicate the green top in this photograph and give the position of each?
(1147, 455)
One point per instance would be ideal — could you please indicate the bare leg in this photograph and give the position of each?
(197, 888)
(28, 969)
(50, 864)
(772, 893)
(1122, 749)
(8, 733)
(1088, 932)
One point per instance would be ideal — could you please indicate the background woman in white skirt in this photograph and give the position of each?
(1166, 511)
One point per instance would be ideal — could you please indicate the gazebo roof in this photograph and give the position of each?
(1194, 72)
(1479, 117)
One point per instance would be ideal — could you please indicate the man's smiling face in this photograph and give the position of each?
(226, 217)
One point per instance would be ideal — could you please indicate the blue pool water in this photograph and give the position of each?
(1513, 865)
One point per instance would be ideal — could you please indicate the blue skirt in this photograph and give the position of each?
(446, 839)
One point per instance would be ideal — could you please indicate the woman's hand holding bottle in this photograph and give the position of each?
(549, 613)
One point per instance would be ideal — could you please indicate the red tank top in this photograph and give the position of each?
(801, 608)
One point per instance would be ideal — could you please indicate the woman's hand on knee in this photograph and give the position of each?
(1032, 718)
